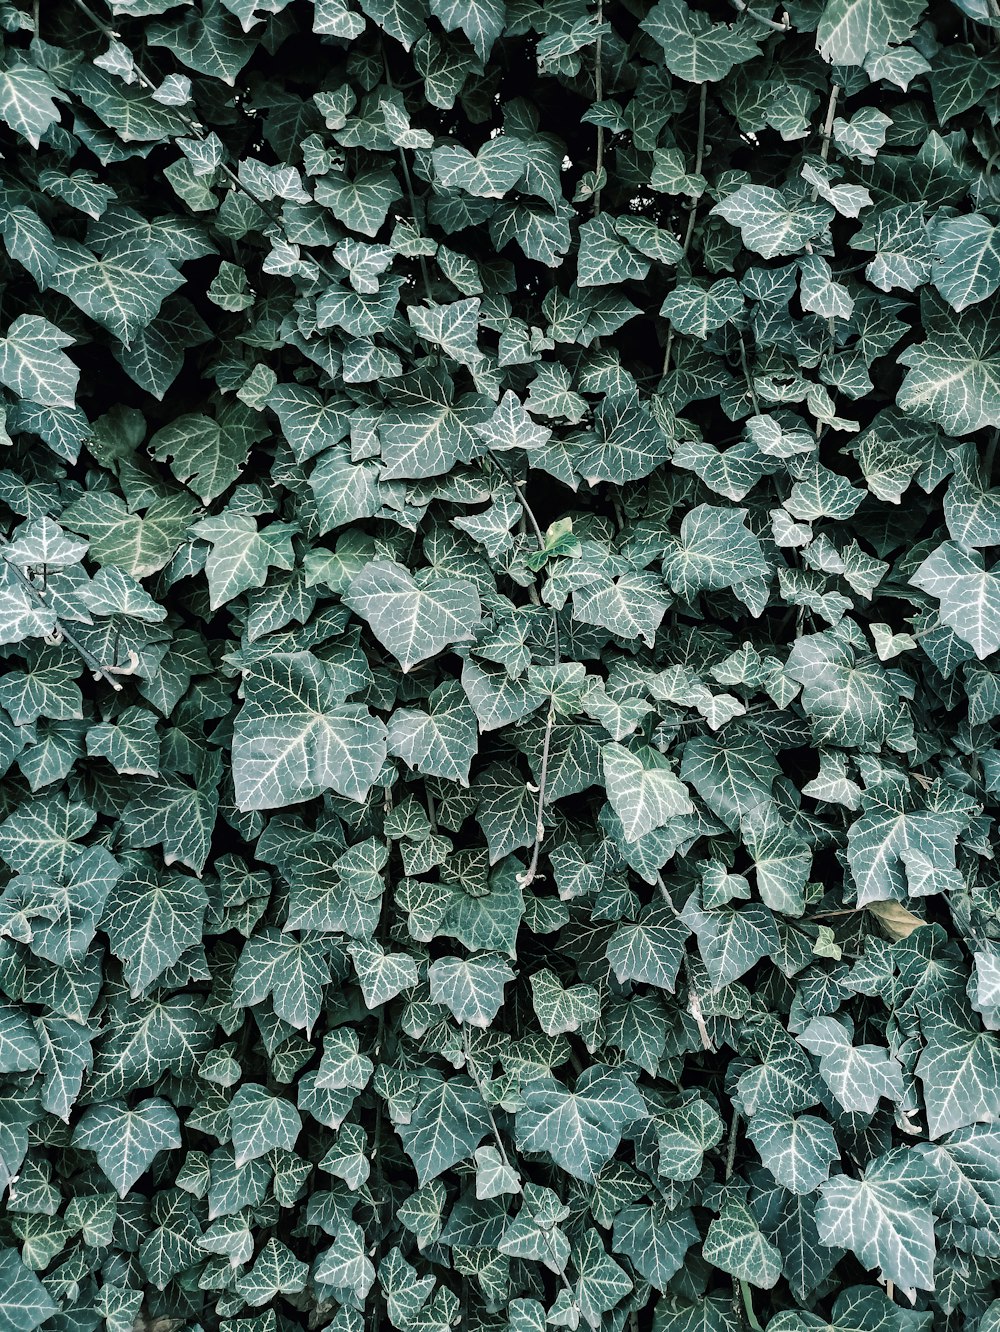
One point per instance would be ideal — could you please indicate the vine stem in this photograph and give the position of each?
(474, 1075)
(748, 377)
(408, 181)
(543, 775)
(827, 130)
(694, 998)
(743, 8)
(93, 665)
(598, 96)
(699, 157)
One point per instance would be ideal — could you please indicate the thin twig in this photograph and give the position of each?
(747, 375)
(783, 27)
(598, 96)
(699, 158)
(99, 672)
(408, 181)
(734, 1128)
(543, 776)
(473, 1074)
(694, 998)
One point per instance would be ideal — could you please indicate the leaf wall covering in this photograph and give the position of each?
(501, 632)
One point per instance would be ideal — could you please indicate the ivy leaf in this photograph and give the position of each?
(851, 29)
(857, 1075)
(413, 618)
(296, 736)
(694, 48)
(736, 1244)
(203, 454)
(441, 742)
(122, 289)
(770, 223)
(967, 260)
(797, 1149)
(884, 1218)
(655, 1240)
(150, 920)
(968, 595)
(957, 1070)
(126, 1141)
(33, 364)
(447, 1124)
(649, 950)
(954, 374)
(714, 550)
(579, 1129)
(643, 790)
(261, 1122)
(241, 555)
(27, 1303)
(471, 988)
(482, 21)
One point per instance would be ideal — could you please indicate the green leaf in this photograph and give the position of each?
(968, 595)
(958, 1070)
(858, 1075)
(643, 790)
(261, 1122)
(851, 29)
(296, 737)
(884, 1218)
(382, 975)
(771, 223)
(797, 1149)
(414, 618)
(447, 1124)
(694, 48)
(736, 1244)
(579, 1129)
(685, 1135)
(19, 1048)
(440, 742)
(28, 103)
(204, 454)
(470, 988)
(655, 1240)
(650, 949)
(241, 555)
(714, 550)
(954, 374)
(27, 1304)
(127, 1141)
(698, 310)
(122, 288)
(33, 364)
(966, 260)
(482, 21)
(150, 920)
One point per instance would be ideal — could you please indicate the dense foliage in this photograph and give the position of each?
(500, 665)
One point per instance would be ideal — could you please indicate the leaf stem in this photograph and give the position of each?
(699, 157)
(747, 1295)
(598, 97)
(743, 8)
(536, 847)
(93, 665)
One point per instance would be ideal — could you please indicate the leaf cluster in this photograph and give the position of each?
(500, 692)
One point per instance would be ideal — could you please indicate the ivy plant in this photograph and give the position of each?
(501, 665)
